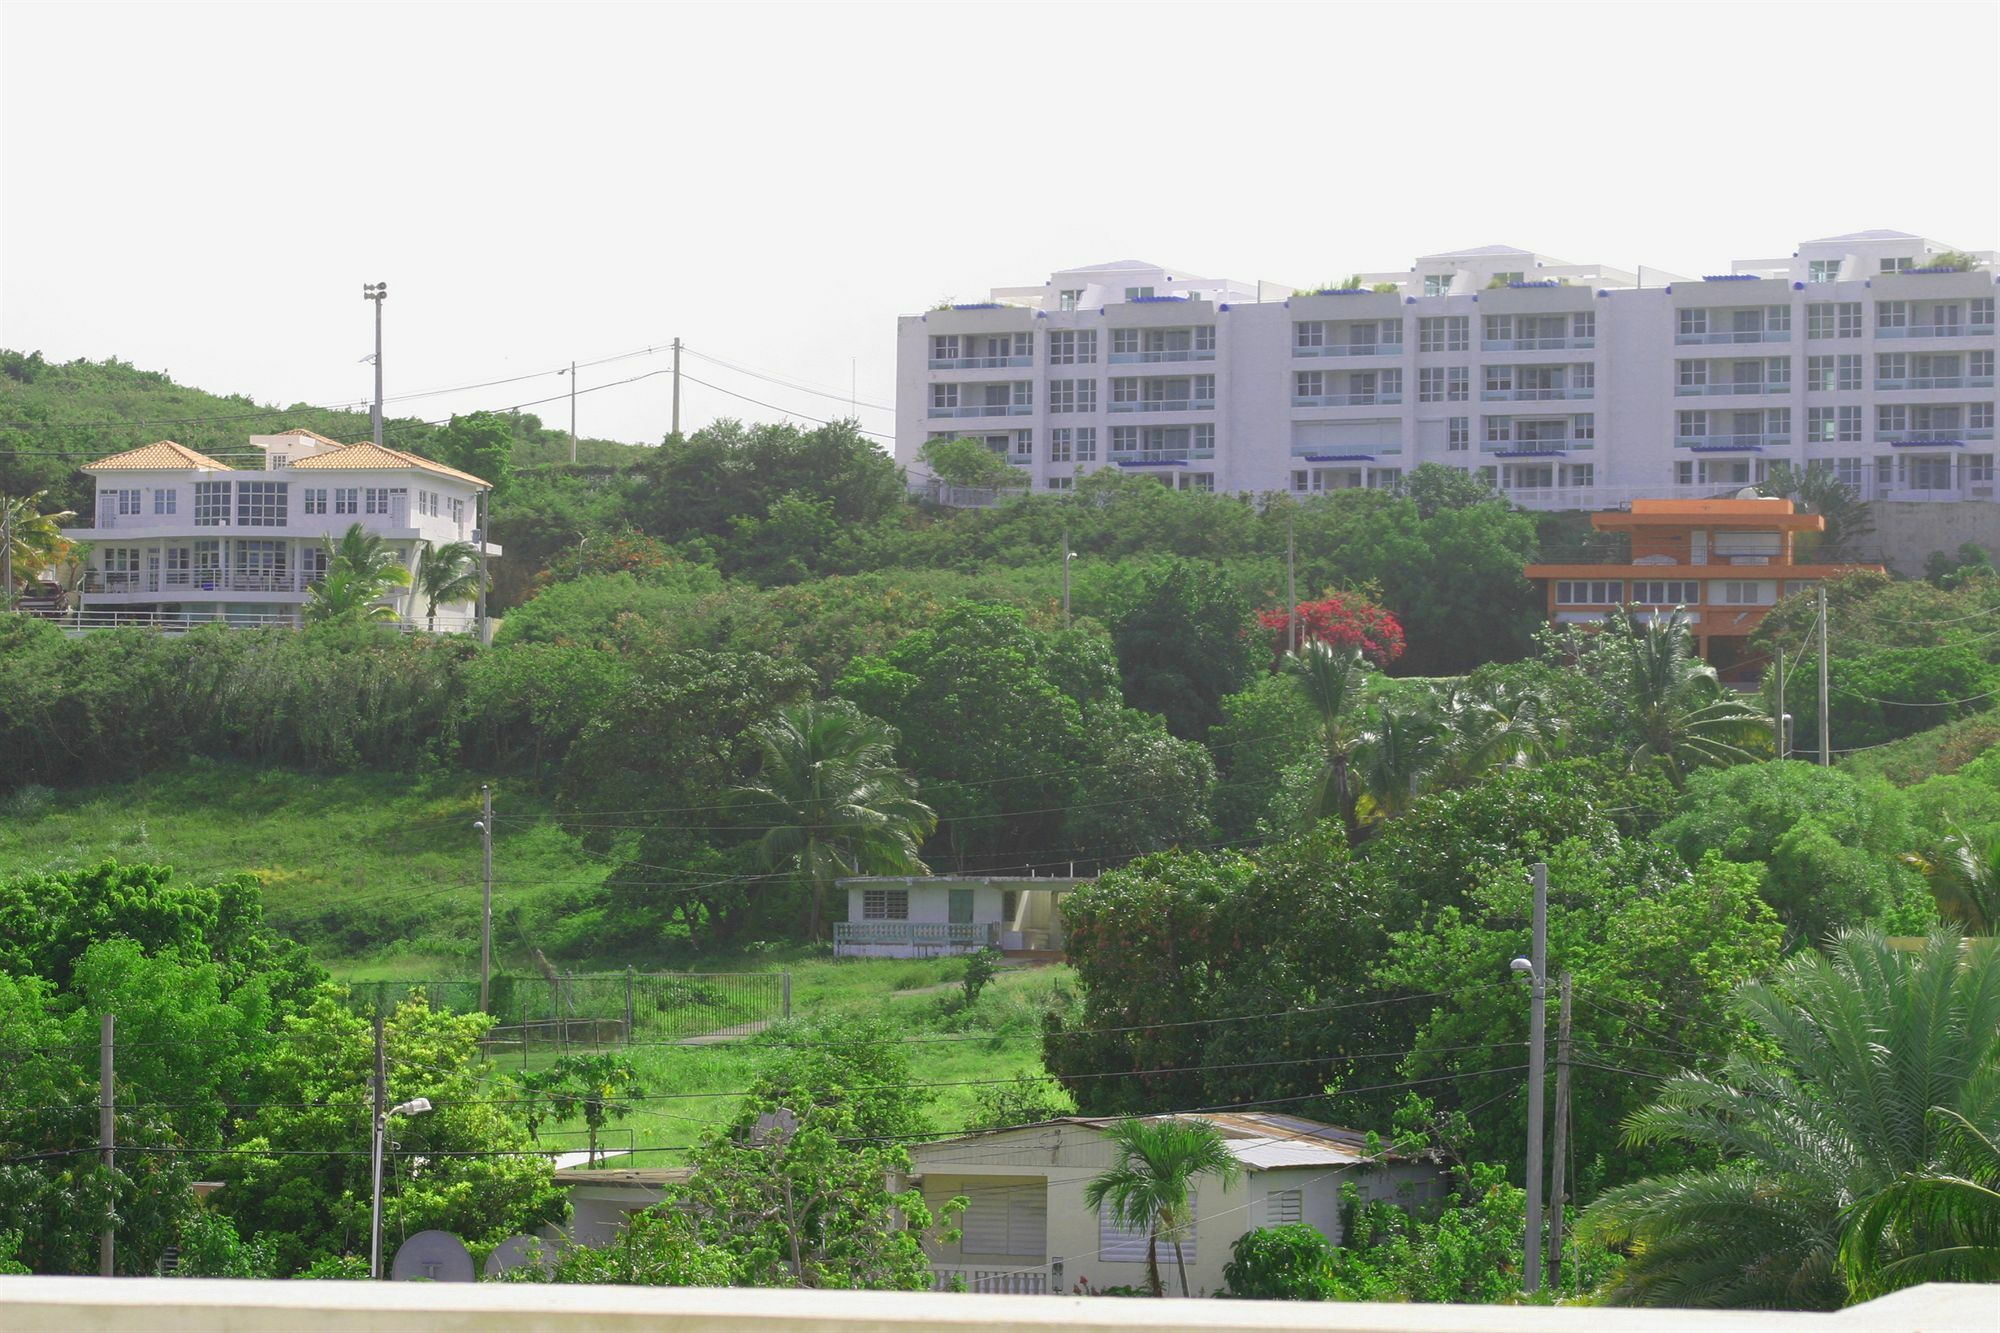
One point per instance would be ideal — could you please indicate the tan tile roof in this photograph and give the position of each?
(152, 457)
(311, 435)
(369, 455)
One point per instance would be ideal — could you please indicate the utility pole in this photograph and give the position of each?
(378, 292)
(1291, 587)
(1538, 957)
(1778, 746)
(1825, 744)
(1066, 553)
(1561, 1145)
(7, 551)
(486, 898)
(677, 386)
(107, 1135)
(571, 372)
(479, 514)
(381, 1121)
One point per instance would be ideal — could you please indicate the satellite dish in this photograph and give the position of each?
(778, 1125)
(432, 1256)
(1749, 493)
(514, 1252)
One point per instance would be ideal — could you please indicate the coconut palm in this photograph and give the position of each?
(1936, 1225)
(1398, 752)
(33, 540)
(360, 571)
(1501, 726)
(1335, 684)
(1151, 1185)
(1964, 878)
(832, 800)
(1863, 1049)
(1673, 704)
(446, 575)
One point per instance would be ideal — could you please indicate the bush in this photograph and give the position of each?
(980, 967)
(1288, 1263)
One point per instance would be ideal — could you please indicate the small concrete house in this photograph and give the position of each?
(916, 916)
(1027, 1230)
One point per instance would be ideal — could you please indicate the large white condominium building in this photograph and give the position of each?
(179, 537)
(1564, 385)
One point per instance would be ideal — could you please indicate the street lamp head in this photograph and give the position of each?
(479, 825)
(414, 1106)
(1521, 967)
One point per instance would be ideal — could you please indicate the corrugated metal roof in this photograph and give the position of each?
(1259, 1140)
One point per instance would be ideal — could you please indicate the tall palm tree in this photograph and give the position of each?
(1936, 1225)
(1400, 750)
(360, 571)
(1151, 1185)
(446, 575)
(832, 800)
(1863, 1047)
(32, 539)
(1964, 878)
(1501, 726)
(1335, 684)
(1673, 703)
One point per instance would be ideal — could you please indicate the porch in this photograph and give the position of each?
(912, 939)
(928, 916)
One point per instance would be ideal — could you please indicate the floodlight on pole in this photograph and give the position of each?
(378, 292)
(414, 1106)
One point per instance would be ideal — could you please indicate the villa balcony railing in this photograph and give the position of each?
(1344, 399)
(1143, 456)
(1166, 405)
(1170, 354)
(979, 362)
(922, 935)
(1350, 349)
(1534, 395)
(1935, 331)
(1937, 382)
(1731, 441)
(1535, 344)
(180, 622)
(1731, 388)
(992, 1281)
(985, 410)
(1734, 336)
(194, 582)
(1942, 435)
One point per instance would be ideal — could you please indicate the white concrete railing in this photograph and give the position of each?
(179, 622)
(992, 1281)
(918, 934)
(205, 1305)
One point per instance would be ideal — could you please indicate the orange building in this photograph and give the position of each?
(1727, 561)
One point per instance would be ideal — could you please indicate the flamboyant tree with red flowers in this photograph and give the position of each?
(1341, 621)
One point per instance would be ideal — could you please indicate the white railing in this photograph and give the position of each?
(1533, 395)
(1735, 336)
(1350, 349)
(191, 582)
(1933, 331)
(1344, 399)
(1534, 344)
(979, 362)
(939, 935)
(1730, 441)
(1170, 354)
(1937, 382)
(985, 410)
(1730, 389)
(1166, 405)
(1936, 434)
(177, 622)
(992, 1281)
(964, 497)
(1159, 455)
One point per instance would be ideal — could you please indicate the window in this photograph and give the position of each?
(1583, 327)
(1979, 416)
(1124, 440)
(1666, 592)
(211, 504)
(1499, 328)
(1072, 395)
(1138, 293)
(1204, 338)
(315, 500)
(1823, 270)
(944, 347)
(1778, 423)
(1898, 265)
(1833, 319)
(1061, 446)
(381, 500)
(1692, 324)
(1005, 1220)
(1583, 427)
(1580, 474)
(1458, 434)
(1086, 444)
(1745, 592)
(1072, 348)
(1310, 334)
(1499, 430)
(1284, 1208)
(1430, 384)
(1024, 446)
(1589, 592)
(166, 500)
(944, 397)
(885, 904)
(1118, 1245)
(118, 502)
(1457, 384)
(1389, 332)
(1308, 384)
(346, 500)
(1777, 318)
(1891, 366)
(1197, 481)
(1124, 342)
(1504, 278)
(1979, 467)
(1691, 425)
(261, 504)
(1978, 371)
(1202, 438)
(1392, 386)
(1499, 379)
(1820, 425)
(1067, 300)
(1827, 374)
(1060, 484)
(1444, 333)
(1847, 471)
(1437, 284)
(1891, 419)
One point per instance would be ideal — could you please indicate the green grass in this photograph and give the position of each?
(1929, 754)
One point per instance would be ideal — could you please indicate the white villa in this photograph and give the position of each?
(181, 538)
(917, 916)
(1027, 1230)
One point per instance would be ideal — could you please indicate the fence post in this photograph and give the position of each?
(785, 990)
(628, 1004)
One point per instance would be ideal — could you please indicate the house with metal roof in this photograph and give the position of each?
(179, 538)
(1026, 1228)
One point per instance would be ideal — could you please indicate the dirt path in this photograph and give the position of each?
(721, 1035)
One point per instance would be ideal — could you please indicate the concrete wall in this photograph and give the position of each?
(1907, 531)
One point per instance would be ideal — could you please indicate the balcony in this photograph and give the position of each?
(1166, 405)
(192, 583)
(1535, 344)
(985, 410)
(1350, 349)
(1159, 457)
(1534, 395)
(1937, 382)
(1942, 435)
(1169, 354)
(1733, 336)
(1713, 442)
(1344, 399)
(919, 937)
(1732, 388)
(991, 1281)
(979, 362)
(1936, 331)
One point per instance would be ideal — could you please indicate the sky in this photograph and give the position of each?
(203, 190)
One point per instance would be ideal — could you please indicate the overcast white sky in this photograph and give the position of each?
(204, 189)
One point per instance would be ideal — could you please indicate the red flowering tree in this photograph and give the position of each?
(1342, 621)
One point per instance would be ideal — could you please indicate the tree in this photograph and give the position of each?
(957, 461)
(1964, 878)
(1181, 646)
(832, 800)
(1674, 710)
(1335, 684)
(1339, 620)
(1151, 1185)
(360, 571)
(481, 443)
(446, 575)
(33, 539)
(1938, 1224)
(1398, 752)
(596, 1086)
(1861, 1049)
(1819, 489)
(1437, 489)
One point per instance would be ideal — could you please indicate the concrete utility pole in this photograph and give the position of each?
(1067, 556)
(1291, 588)
(381, 1122)
(677, 386)
(571, 372)
(1778, 746)
(1538, 958)
(7, 552)
(107, 1130)
(1825, 730)
(479, 512)
(1561, 1145)
(378, 292)
(485, 827)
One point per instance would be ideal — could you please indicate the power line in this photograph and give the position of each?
(782, 382)
(773, 407)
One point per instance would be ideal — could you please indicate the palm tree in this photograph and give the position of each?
(446, 574)
(1501, 726)
(832, 800)
(1151, 1185)
(1819, 488)
(1937, 1225)
(29, 539)
(1397, 754)
(1674, 704)
(1863, 1049)
(1964, 878)
(360, 571)
(1335, 684)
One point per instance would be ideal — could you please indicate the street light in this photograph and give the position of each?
(571, 372)
(378, 292)
(415, 1106)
